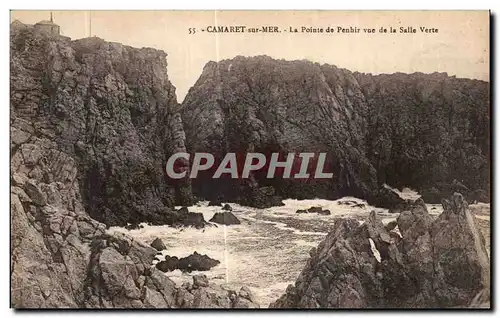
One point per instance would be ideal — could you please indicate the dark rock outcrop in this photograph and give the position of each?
(441, 190)
(479, 195)
(193, 262)
(109, 107)
(227, 207)
(440, 263)
(226, 218)
(158, 244)
(413, 130)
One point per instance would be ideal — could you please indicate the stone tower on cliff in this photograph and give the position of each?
(48, 27)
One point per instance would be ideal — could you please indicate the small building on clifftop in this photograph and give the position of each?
(48, 26)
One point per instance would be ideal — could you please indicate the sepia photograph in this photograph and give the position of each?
(264, 160)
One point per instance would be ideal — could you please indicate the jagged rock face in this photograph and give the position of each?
(226, 218)
(440, 263)
(112, 109)
(412, 130)
(423, 128)
(264, 105)
(62, 258)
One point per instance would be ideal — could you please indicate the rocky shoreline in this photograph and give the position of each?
(93, 123)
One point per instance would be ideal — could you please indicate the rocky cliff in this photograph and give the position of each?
(109, 107)
(428, 264)
(429, 130)
(91, 125)
(62, 258)
(412, 130)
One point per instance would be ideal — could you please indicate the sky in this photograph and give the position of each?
(460, 47)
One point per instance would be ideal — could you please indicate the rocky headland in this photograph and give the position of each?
(94, 122)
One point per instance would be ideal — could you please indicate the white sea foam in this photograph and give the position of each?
(267, 251)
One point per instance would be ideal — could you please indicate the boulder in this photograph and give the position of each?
(184, 218)
(158, 244)
(226, 218)
(324, 212)
(260, 197)
(227, 207)
(407, 205)
(431, 195)
(315, 209)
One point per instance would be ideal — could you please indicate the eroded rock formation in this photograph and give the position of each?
(413, 130)
(62, 258)
(112, 109)
(433, 263)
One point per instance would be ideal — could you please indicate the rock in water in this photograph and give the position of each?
(169, 264)
(431, 195)
(324, 212)
(226, 218)
(301, 211)
(196, 262)
(436, 264)
(227, 207)
(200, 281)
(158, 244)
